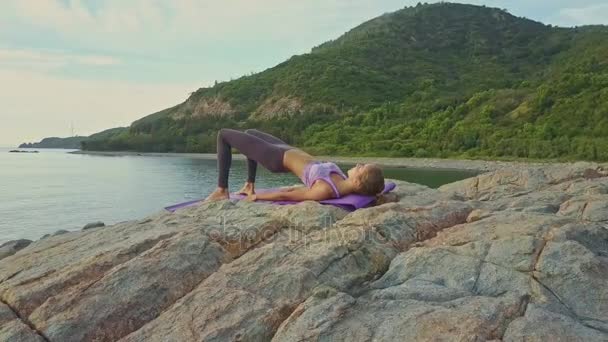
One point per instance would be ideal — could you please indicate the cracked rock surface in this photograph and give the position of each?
(519, 253)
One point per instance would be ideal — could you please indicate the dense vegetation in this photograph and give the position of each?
(440, 80)
(75, 142)
(55, 142)
(108, 137)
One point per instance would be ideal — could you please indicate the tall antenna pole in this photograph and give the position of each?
(72, 128)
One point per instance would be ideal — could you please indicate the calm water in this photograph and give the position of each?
(51, 190)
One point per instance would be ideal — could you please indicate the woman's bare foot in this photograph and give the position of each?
(218, 195)
(248, 189)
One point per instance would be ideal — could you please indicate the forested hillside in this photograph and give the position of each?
(440, 80)
(55, 142)
(74, 142)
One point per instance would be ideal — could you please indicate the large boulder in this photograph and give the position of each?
(518, 253)
(12, 328)
(93, 225)
(11, 247)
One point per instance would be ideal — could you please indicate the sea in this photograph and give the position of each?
(52, 190)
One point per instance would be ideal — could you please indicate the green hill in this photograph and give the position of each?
(75, 142)
(55, 142)
(443, 80)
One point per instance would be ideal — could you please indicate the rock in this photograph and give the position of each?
(511, 181)
(308, 216)
(589, 208)
(576, 275)
(593, 236)
(594, 173)
(517, 253)
(93, 225)
(147, 287)
(264, 285)
(542, 325)
(342, 317)
(477, 215)
(402, 225)
(578, 187)
(12, 328)
(405, 189)
(11, 247)
(260, 289)
(59, 232)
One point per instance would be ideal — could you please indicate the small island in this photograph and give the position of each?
(21, 151)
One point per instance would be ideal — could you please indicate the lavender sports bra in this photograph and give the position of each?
(321, 170)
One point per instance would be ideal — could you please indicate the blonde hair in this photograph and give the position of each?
(371, 182)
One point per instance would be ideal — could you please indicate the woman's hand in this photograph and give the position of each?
(251, 198)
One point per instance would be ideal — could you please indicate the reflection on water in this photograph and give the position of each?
(51, 190)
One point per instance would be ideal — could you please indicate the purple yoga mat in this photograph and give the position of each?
(348, 202)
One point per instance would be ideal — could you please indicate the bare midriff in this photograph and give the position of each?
(295, 160)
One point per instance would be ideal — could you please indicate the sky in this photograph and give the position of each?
(98, 64)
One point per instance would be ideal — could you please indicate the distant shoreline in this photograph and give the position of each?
(418, 163)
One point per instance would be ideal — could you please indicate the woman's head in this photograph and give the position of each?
(368, 179)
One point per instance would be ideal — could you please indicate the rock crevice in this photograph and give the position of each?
(21, 319)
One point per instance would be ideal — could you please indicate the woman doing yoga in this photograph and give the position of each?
(323, 180)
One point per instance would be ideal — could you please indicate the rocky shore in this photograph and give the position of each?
(518, 253)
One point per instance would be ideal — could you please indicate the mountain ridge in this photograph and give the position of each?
(401, 73)
(72, 142)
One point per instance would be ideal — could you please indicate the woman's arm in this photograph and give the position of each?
(298, 194)
(291, 188)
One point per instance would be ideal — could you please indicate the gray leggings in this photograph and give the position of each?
(258, 147)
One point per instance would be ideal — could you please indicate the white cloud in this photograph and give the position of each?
(46, 60)
(114, 17)
(142, 24)
(588, 15)
(153, 25)
(37, 105)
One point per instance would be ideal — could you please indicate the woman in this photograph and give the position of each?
(323, 180)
